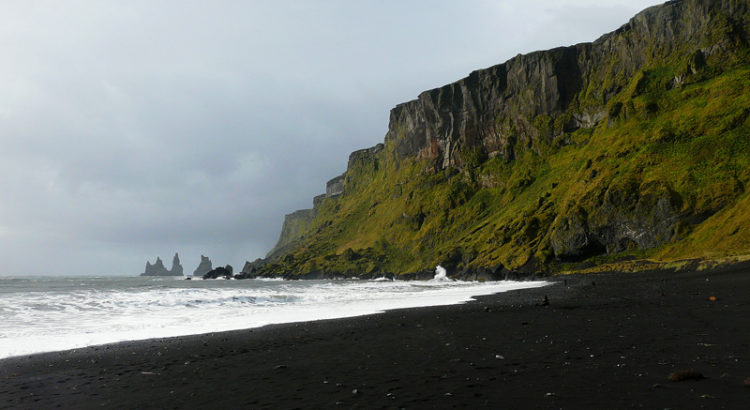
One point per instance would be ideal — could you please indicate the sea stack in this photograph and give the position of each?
(225, 272)
(158, 269)
(176, 266)
(204, 267)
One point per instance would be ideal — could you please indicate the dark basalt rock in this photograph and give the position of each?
(491, 109)
(225, 272)
(250, 270)
(629, 215)
(573, 239)
(685, 375)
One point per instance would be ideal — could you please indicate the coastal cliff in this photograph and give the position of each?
(634, 146)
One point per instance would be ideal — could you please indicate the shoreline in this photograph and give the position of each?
(312, 303)
(604, 340)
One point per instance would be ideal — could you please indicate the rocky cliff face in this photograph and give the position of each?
(295, 224)
(496, 111)
(617, 146)
(335, 187)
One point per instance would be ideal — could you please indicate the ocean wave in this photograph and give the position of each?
(57, 314)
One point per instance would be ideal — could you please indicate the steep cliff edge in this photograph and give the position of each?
(636, 145)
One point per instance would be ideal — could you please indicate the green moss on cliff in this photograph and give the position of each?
(663, 174)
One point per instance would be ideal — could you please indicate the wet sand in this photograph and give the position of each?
(603, 341)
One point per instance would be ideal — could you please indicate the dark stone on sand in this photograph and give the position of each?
(684, 375)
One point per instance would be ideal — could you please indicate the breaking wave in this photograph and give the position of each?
(50, 314)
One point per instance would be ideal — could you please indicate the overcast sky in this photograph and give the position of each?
(131, 129)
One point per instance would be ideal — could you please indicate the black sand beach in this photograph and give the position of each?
(604, 341)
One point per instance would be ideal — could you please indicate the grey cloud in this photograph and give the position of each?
(139, 128)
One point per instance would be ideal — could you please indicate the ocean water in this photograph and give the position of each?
(42, 314)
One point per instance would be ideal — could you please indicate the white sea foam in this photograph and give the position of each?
(40, 316)
(441, 275)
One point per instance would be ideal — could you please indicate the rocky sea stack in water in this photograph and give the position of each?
(158, 269)
(222, 272)
(633, 147)
(204, 267)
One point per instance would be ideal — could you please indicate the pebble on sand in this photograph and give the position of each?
(683, 375)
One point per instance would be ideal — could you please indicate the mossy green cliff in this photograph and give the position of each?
(635, 146)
